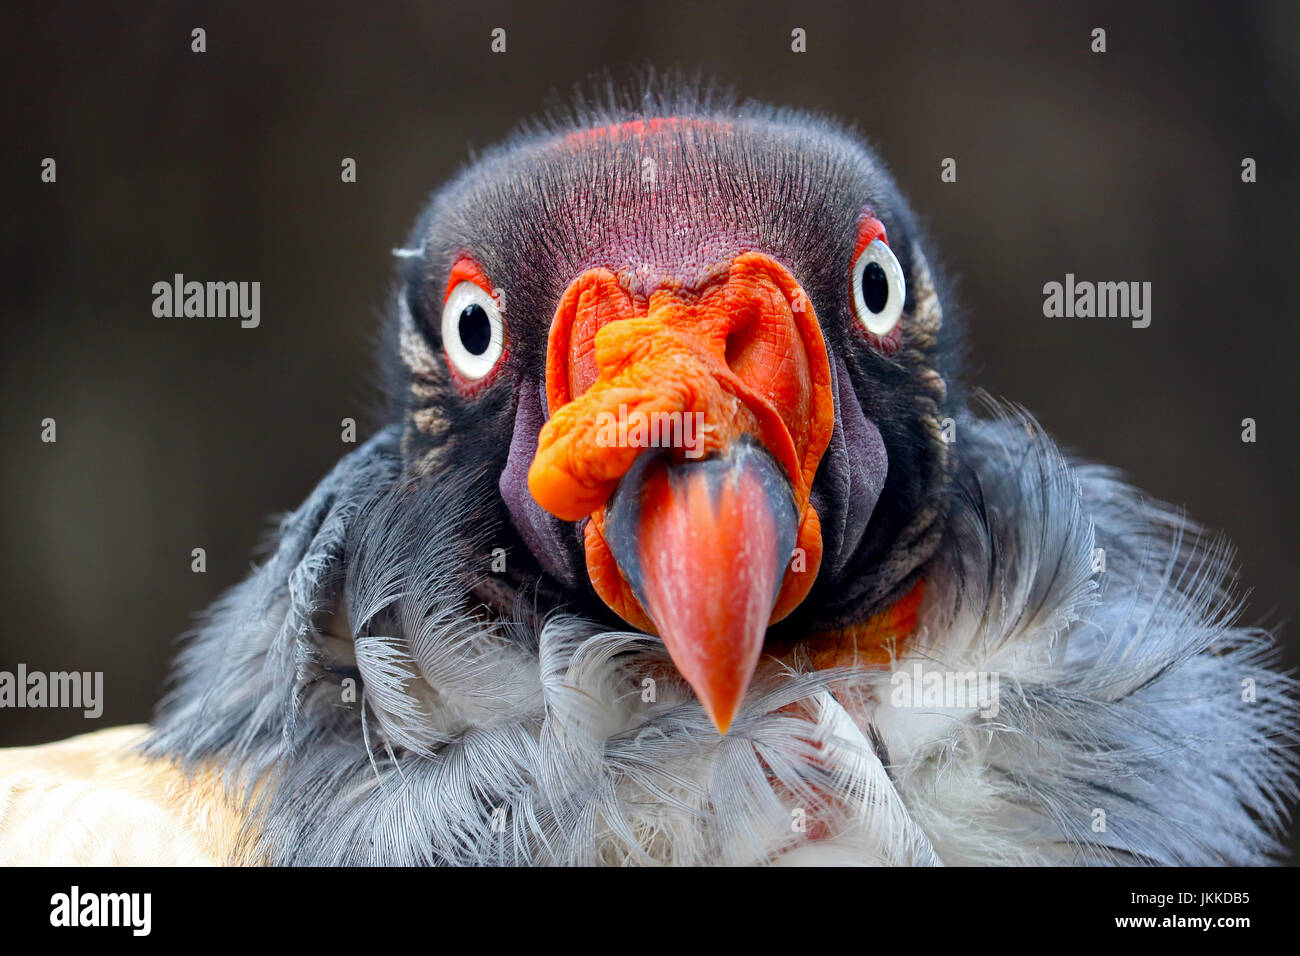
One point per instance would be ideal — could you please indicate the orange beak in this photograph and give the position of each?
(689, 426)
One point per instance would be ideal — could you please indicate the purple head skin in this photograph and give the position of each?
(546, 536)
(853, 472)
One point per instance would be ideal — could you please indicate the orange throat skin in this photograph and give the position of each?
(874, 643)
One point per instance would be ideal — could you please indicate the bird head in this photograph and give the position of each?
(701, 360)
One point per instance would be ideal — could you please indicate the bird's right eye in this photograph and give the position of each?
(878, 288)
(473, 331)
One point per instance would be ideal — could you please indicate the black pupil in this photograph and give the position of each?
(875, 287)
(475, 329)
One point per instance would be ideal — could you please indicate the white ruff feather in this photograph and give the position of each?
(1120, 733)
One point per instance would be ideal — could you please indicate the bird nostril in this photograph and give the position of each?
(741, 342)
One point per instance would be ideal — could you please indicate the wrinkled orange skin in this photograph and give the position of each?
(745, 350)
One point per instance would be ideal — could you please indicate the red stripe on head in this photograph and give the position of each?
(642, 128)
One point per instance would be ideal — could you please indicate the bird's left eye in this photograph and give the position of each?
(473, 332)
(878, 288)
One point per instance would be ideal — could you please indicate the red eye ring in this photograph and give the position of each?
(473, 327)
(465, 269)
(869, 230)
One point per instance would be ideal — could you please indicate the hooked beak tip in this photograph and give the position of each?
(704, 546)
(722, 718)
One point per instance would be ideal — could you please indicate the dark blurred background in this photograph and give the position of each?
(177, 434)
